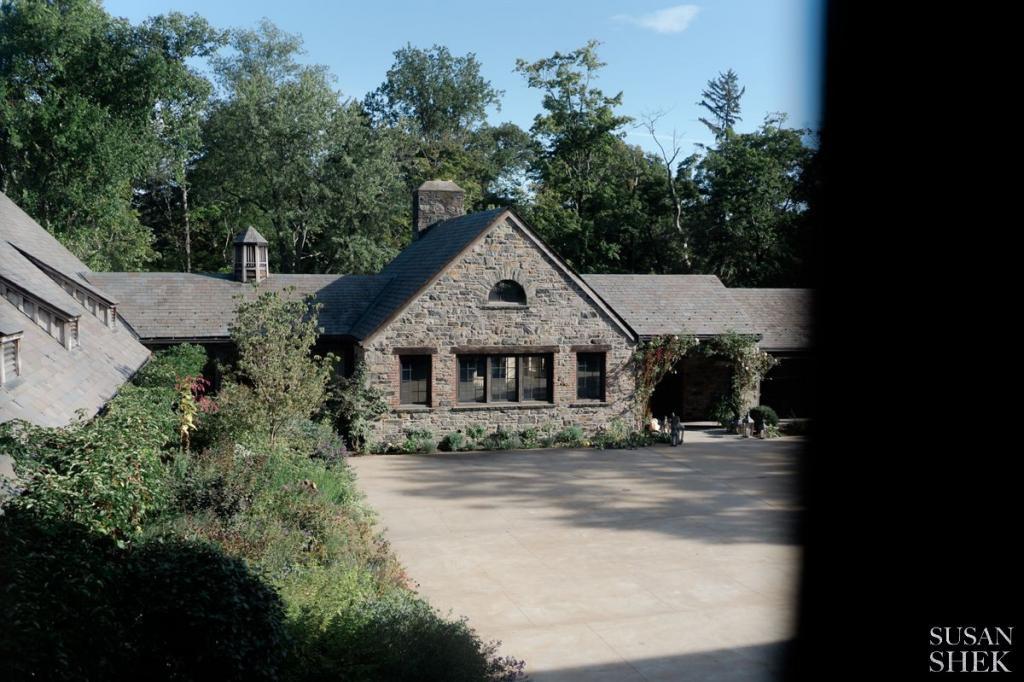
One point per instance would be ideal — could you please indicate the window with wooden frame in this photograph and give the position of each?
(505, 378)
(414, 379)
(590, 376)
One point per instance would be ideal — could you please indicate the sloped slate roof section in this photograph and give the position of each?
(250, 236)
(419, 263)
(654, 305)
(178, 305)
(782, 315)
(20, 230)
(56, 383)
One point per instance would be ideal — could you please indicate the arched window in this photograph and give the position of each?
(507, 291)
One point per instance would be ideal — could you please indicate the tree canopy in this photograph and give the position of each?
(151, 145)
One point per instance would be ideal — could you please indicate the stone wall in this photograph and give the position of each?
(454, 312)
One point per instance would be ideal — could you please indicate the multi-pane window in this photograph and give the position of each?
(472, 377)
(590, 376)
(414, 386)
(504, 378)
(535, 377)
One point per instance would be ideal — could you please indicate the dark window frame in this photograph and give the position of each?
(426, 360)
(488, 369)
(602, 359)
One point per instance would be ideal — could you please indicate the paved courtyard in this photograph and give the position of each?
(654, 564)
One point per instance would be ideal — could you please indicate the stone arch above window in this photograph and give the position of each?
(509, 287)
(507, 291)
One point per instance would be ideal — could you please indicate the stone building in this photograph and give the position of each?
(476, 322)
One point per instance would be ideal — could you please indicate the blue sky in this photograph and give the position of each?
(660, 54)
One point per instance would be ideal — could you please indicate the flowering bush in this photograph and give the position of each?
(652, 360)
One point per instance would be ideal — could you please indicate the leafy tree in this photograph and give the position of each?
(434, 92)
(748, 222)
(356, 405)
(275, 336)
(586, 175)
(721, 98)
(164, 200)
(80, 93)
(284, 153)
(435, 104)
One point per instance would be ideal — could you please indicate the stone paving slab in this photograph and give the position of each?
(651, 564)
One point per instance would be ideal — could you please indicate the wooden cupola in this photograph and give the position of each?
(251, 261)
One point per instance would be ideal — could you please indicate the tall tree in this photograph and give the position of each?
(585, 173)
(163, 202)
(721, 98)
(80, 94)
(436, 105)
(749, 219)
(286, 154)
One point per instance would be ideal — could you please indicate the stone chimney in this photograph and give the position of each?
(434, 201)
(251, 260)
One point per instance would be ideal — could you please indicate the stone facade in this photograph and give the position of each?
(454, 313)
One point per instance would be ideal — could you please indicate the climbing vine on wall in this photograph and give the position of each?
(652, 360)
(749, 365)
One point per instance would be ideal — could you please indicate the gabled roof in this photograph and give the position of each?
(56, 382)
(414, 267)
(423, 261)
(177, 305)
(654, 305)
(782, 315)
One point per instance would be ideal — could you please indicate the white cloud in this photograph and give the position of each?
(669, 20)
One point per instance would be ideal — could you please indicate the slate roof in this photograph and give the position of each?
(419, 262)
(178, 305)
(673, 304)
(782, 315)
(56, 382)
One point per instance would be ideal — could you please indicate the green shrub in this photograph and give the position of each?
(399, 638)
(237, 417)
(725, 411)
(529, 438)
(762, 414)
(355, 405)
(317, 440)
(453, 442)
(166, 367)
(570, 436)
(223, 481)
(547, 435)
(275, 337)
(615, 435)
(78, 607)
(502, 439)
(105, 474)
(420, 441)
(202, 615)
(476, 435)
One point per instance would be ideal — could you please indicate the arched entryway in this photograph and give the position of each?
(692, 388)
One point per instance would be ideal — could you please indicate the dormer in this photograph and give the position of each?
(251, 260)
